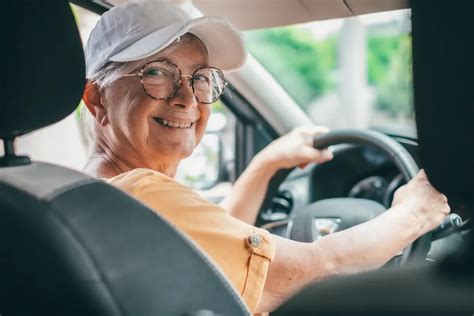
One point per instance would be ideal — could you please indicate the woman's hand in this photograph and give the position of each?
(295, 149)
(290, 150)
(422, 202)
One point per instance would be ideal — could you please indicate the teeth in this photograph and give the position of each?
(176, 124)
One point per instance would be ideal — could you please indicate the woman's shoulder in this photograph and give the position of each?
(140, 181)
(138, 178)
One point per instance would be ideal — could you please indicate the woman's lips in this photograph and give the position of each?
(175, 124)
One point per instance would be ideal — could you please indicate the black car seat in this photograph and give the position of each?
(70, 244)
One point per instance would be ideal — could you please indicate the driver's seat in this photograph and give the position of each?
(70, 244)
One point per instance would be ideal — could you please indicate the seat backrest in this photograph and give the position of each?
(71, 244)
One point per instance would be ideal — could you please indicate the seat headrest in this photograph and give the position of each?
(444, 108)
(43, 73)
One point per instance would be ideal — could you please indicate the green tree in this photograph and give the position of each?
(301, 64)
(391, 73)
(380, 50)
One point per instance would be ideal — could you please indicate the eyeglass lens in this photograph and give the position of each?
(161, 80)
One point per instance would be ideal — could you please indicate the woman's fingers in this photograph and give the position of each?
(427, 205)
(308, 133)
(310, 154)
(296, 148)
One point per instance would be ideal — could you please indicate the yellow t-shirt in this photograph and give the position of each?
(243, 252)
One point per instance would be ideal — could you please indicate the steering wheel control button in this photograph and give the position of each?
(254, 241)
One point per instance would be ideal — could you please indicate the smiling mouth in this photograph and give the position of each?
(174, 124)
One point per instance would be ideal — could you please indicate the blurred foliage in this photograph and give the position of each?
(218, 107)
(380, 50)
(74, 12)
(301, 64)
(79, 110)
(304, 66)
(390, 71)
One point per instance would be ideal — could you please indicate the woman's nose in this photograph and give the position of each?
(184, 96)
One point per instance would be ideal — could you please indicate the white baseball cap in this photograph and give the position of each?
(137, 30)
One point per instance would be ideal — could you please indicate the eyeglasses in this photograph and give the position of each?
(162, 79)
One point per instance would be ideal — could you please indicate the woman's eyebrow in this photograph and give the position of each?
(163, 59)
(196, 66)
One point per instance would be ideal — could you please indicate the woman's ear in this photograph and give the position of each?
(92, 99)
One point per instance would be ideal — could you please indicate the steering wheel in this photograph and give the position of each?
(302, 225)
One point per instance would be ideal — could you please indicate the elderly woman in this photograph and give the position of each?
(153, 72)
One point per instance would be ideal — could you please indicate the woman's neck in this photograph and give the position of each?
(103, 163)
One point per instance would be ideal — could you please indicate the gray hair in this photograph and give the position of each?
(113, 71)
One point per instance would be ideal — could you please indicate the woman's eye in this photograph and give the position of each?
(155, 72)
(201, 79)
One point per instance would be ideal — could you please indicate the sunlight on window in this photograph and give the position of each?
(353, 72)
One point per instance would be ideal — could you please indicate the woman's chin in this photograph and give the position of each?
(174, 143)
(175, 150)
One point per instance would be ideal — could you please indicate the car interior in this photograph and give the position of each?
(74, 245)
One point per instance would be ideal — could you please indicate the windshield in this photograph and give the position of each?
(353, 72)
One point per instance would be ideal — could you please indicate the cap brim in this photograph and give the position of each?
(223, 42)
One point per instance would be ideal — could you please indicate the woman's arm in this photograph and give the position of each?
(417, 209)
(249, 190)
(290, 150)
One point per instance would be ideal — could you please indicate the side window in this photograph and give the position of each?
(353, 72)
(210, 166)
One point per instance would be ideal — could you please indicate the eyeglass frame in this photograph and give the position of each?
(177, 83)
